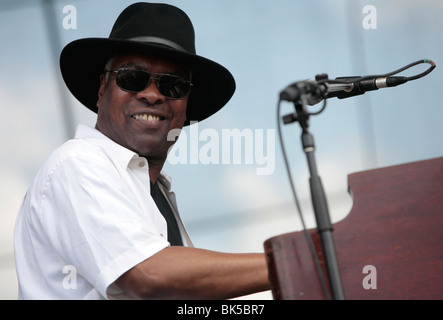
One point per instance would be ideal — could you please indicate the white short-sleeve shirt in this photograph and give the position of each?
(87, 218)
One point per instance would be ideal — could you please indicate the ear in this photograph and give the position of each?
(101, 89)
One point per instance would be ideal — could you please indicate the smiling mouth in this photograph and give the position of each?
(147, 117)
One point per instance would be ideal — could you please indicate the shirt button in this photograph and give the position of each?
(141, 164)
(161, 234)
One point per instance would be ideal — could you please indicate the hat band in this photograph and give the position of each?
(157, 40)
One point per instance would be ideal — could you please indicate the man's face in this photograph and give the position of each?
(140, 121)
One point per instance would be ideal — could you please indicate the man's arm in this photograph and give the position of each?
(190, 273)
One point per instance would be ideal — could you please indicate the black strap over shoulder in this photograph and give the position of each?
(174, 236)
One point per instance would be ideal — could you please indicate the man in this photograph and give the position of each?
(100, 220)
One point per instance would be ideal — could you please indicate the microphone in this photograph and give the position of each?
(314, 91)
(362, 84)
(343, 87)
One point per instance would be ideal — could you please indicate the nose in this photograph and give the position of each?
(151, 94)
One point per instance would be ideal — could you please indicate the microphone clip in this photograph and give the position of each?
(304, 93)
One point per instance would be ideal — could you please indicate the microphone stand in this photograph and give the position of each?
(324, 226)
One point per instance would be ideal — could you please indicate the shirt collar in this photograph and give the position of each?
(119, 153)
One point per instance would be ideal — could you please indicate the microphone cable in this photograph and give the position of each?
(418, 76)
(389, 74)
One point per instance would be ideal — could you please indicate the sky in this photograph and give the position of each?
(236, 204)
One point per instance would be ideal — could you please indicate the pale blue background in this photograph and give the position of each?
(266, 45)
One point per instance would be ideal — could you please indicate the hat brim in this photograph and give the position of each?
(82, 61)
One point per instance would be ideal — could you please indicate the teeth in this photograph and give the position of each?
(148, 117)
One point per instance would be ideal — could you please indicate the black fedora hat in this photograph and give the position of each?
(148, 28)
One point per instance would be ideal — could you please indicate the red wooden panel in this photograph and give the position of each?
(395, 225)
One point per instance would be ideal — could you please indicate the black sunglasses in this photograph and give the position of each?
(134, 80)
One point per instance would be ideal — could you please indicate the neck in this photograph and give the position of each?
(155, 166)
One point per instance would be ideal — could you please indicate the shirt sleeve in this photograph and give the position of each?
(95, 221)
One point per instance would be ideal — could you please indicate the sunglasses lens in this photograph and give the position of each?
(173, 87)
(132, 80)
(170, 86)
